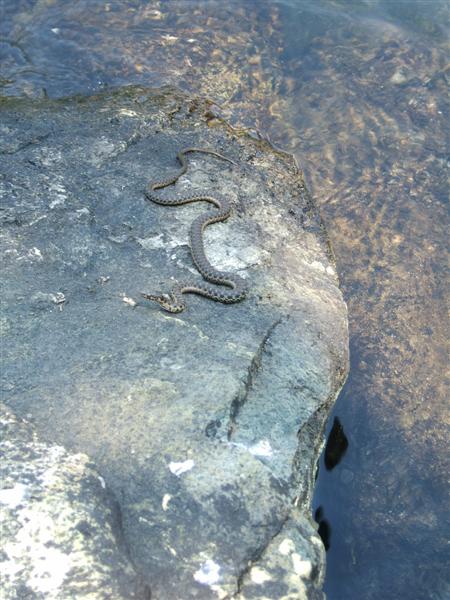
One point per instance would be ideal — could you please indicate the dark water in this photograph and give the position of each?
(358, 90)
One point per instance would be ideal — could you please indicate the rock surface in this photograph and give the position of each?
(61, 533)
(206, 425)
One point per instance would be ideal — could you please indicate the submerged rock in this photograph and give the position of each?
(206, 425)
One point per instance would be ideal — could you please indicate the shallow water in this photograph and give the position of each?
(358, 91)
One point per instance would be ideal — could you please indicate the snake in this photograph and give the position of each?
(233, 288)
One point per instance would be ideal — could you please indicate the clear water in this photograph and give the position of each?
(358, 90)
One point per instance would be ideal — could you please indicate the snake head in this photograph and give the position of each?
(166, 301)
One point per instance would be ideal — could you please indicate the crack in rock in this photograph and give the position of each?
(240, 399)
(251, 563)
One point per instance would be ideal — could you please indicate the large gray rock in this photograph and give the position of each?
(205, 425)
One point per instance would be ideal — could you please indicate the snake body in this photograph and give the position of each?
(234, 288)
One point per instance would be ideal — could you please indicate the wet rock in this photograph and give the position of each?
(205, 425)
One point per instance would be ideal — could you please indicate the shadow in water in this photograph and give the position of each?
(335, 449)
(337, 445)
(324, 529)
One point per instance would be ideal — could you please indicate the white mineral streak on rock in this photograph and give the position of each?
(259, 576)
(82, 211)
(12, 497)
(50, 569)
(34, 221)
(221, 593)
(103, 279)
(315, 540)
(57, 298)
(315, 264)
(35, 253)
(262, 448)
(208, 574)
(49, 156)
(228, 251)
(58, 201)
(50, 475)
(126, 112)
(49, 565)
(102, 149)
(177, 468)
(58, 192)
(128, 300)
(165, 501)
(301, 567)
(152, 242)
(286, 547)
(399, 77)
(239, 350)
(155, 15)
(169, 38)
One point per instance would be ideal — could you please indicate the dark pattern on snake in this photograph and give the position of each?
(173, 301)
